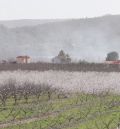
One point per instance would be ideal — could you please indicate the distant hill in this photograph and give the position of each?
(90, 38)
(27, 22)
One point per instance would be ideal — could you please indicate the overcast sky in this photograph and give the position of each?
(42, 9)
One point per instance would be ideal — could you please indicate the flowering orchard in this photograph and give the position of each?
(66, 81)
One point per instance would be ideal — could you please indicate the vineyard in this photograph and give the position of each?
(59, 100)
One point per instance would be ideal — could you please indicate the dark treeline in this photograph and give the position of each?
(65, 67)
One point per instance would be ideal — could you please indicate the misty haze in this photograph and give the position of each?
(89, 38)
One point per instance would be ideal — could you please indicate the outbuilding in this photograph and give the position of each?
(23, 59)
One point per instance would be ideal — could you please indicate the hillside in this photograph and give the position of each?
(27, 22)
(89, 38)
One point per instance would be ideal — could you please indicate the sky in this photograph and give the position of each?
(52, 9)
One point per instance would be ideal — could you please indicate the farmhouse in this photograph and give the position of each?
(23, 59)
(113, 62)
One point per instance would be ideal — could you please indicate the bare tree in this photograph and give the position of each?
(4, 93)
(13, 90)
(49, 90)
(27, 90)
(38, 91)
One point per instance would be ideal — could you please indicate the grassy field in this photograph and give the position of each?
(74, 111)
